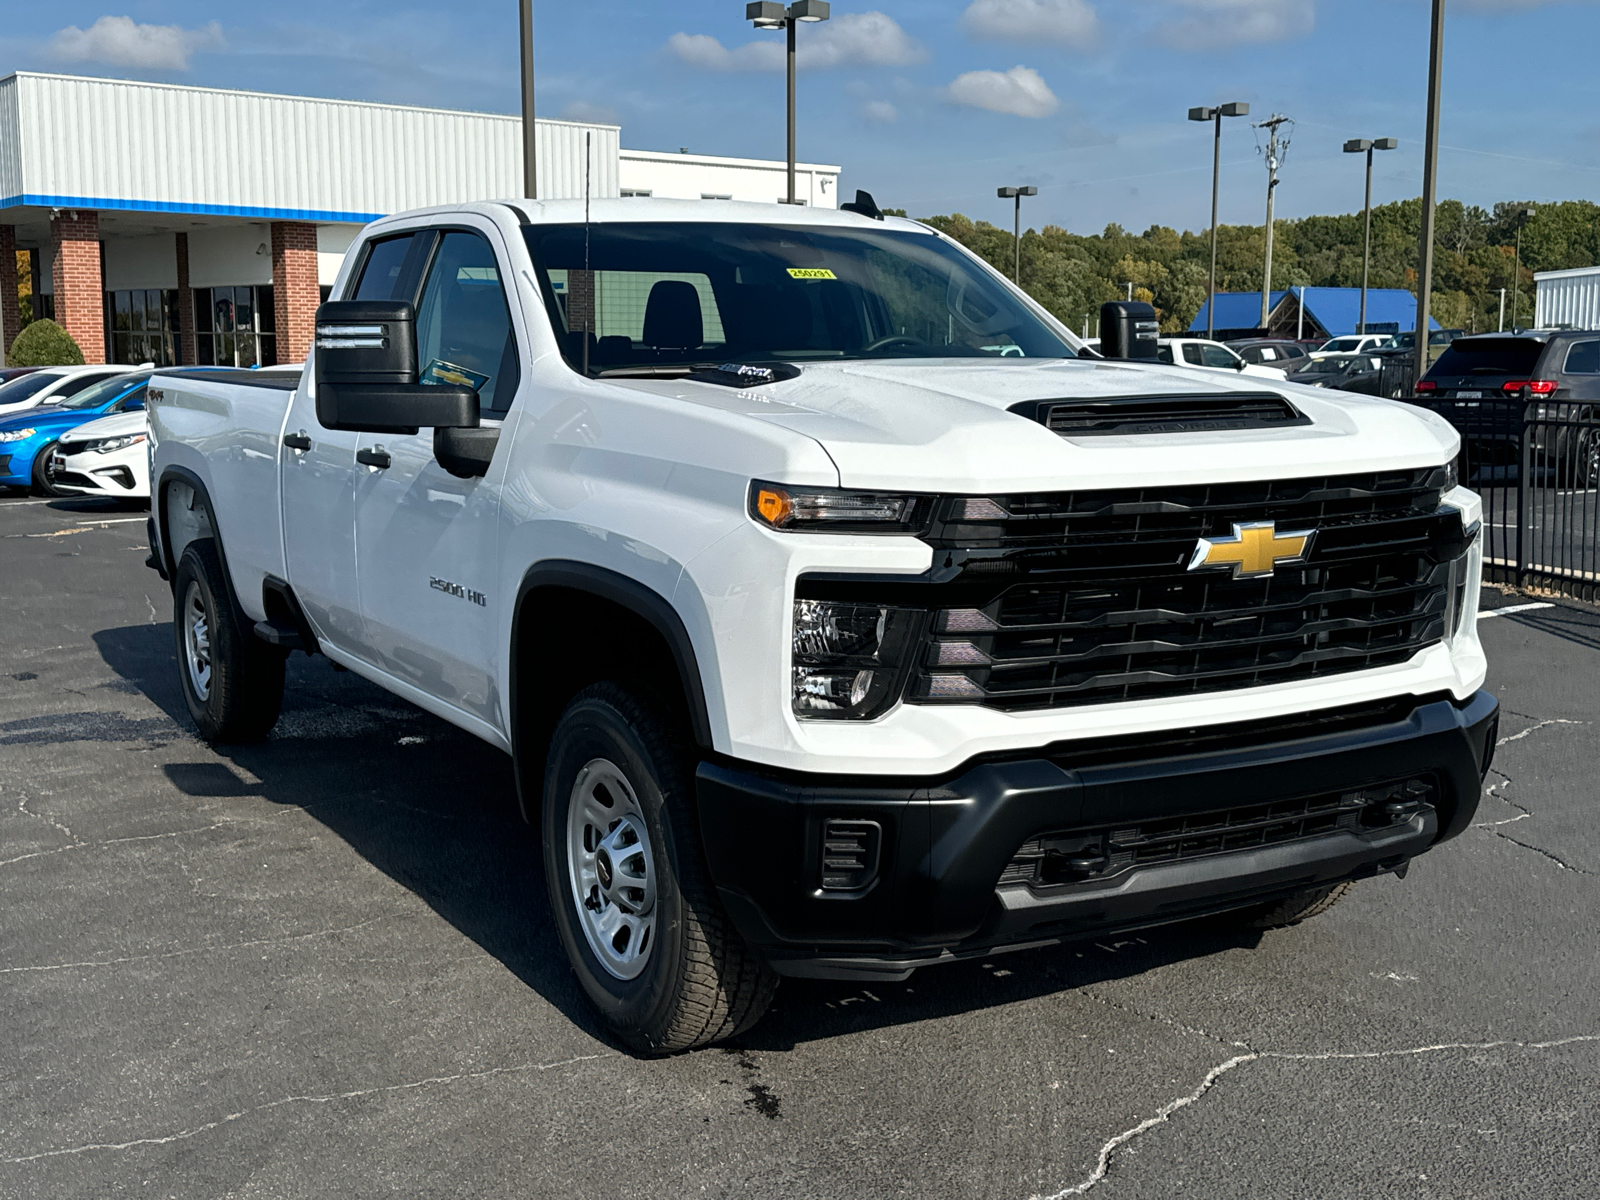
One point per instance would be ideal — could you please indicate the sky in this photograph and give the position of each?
(932, 104)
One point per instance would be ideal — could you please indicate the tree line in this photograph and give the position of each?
(1475, 256)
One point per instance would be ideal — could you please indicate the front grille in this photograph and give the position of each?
(1076, 857)
(1066, 599)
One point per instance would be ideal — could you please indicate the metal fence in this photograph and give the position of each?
(1537, 467)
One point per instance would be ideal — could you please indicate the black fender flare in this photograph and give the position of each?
(625, 592)
(158, 513)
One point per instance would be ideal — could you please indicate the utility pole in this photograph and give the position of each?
(530, 133)
(1237, 108)
(1502, 310)
(1274, 158)
(1524, 215)
(1430, 186)
(1016, 194)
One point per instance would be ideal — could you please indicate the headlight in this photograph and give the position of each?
(107, 445)
(836, 510)
(17, 435)
(848, 658)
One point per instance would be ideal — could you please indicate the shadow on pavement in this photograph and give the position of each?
(435, 809)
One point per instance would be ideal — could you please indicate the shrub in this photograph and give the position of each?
(43, 343)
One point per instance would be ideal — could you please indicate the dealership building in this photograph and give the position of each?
(197, 225)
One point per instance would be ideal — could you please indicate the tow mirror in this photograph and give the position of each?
(1128, 329)
(366, 373)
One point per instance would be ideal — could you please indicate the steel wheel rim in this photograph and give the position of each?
(611, 867)
(197, 641)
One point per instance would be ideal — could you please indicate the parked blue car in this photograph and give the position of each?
(27, 438)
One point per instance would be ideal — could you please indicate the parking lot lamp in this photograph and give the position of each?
(767, 14)
(1367, 146)
(1016, 194)
(1523, 216)
(1234, 109)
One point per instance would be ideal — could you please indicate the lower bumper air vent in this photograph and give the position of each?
(849, 854)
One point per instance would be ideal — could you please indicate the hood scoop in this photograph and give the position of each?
(1126, 415)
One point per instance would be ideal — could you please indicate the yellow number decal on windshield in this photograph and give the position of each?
(811, 273)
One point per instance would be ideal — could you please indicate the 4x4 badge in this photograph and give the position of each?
(1255, 550)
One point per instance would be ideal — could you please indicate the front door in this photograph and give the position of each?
(426, 540)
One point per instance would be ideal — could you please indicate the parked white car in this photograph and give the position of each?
(54, 384)
(1198, 352)
(1352, 343)
(108, 457)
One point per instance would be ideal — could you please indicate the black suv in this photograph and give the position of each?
(1495, 388)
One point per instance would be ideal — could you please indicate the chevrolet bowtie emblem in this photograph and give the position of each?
(1253, 551)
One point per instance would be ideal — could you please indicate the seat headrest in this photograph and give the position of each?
(672, 316)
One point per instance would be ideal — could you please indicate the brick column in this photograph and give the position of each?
(80, 290)
(186, 329)
(295, 294)
(10, 314)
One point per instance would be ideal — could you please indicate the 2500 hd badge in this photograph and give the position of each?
(455, 589)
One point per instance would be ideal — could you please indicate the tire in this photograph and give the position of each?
(41, 476)
(232, 681)
(1292, 909)
(653, 949)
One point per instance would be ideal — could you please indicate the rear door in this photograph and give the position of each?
(426, 540)
(318, 474)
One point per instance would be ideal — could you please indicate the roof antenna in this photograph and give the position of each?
(865, 205)
(588, 276)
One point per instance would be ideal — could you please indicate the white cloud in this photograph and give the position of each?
(880, 112)
(1218, 24)
(121, 42)
(1018, 91)
(1062, 22)
(589, 114)
(1506, 6)
(869, 39)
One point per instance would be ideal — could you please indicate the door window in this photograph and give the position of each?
(1192, 355)
(1583, 359)
(1221, 356)
(463, 325)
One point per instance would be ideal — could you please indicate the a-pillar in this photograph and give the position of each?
(80, 295)
(186, 331)
(295, 293)
(10, 312)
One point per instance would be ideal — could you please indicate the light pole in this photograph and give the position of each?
(1523, 216)
(1234, 109)
(530, 181)
(1430, 186)
(767, 14)
(1016, 194)
(1367, 146)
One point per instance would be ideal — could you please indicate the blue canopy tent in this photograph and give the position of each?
(1329, 312)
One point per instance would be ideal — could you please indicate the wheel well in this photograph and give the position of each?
(567, 637)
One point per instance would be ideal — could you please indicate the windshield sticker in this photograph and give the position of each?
(439, 371)
(811, 273)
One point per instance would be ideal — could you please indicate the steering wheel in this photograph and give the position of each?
(892, 340)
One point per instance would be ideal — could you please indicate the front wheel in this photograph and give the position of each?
(232, 681)
(43, 482)
(633, 904)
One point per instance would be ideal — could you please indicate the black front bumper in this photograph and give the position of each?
(942, 845)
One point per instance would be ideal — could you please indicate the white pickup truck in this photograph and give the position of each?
(843, 614)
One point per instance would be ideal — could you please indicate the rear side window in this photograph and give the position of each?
(1490, 356)
(382, 272)
(1583, 358)
(1164, 353)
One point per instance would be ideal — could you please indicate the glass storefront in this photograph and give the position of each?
(142, 326)
(234, 327)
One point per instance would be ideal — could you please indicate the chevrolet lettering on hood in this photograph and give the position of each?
(1254, 551)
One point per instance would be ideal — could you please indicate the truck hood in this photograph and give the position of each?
(942, 425)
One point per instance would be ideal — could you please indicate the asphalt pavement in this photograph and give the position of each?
(324, 966)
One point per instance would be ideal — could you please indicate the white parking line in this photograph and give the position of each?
(1514, 608)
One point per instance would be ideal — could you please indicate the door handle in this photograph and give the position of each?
(373, 458)
(297, 441)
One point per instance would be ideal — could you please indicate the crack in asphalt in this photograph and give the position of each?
(142, 837)
(1109, 1149)
(22, 807)
(330, 1098)
(1517, 737)
(133, 958)
(1560, 862)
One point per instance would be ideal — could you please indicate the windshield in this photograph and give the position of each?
(25, 386)
(1341, 343)
(627, 297)
(103, 392)
(1331, 366)
(1489, 356)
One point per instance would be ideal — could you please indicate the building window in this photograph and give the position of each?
(142, 326)
(234, 327)
(627, 192)
(715, 196)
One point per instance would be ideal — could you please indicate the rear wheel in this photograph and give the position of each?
(43, 484)
(232, 681)
(1292, 909)
(633, 903)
